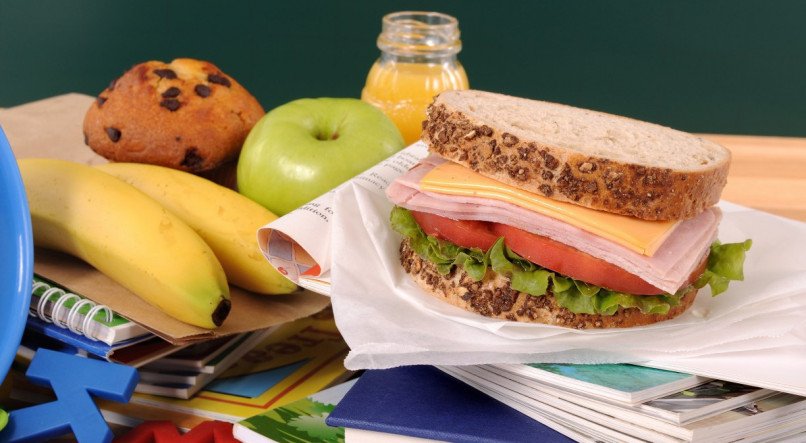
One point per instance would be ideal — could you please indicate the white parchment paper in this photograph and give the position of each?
(389, 321)
(755, 333)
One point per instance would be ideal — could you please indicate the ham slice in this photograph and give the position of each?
(668, 269)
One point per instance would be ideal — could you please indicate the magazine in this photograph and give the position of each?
(302, 420)
(766, 418)
(620, 382)
(682, 407)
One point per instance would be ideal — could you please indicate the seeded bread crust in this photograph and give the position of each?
(565, 174)
(494, 297)
(185, 114)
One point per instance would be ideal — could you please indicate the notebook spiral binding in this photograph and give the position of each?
(72, 319)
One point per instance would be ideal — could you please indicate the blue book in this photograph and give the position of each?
(422, 401)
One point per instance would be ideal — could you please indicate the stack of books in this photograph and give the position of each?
(186, 371)
(634, 403)
(229, 378)
(553, 402)
(288, 384)
(281, 365)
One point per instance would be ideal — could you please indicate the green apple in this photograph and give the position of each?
(302, 149)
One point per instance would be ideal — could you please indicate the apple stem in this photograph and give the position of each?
(324, 137)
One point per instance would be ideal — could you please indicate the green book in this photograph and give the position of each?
(56, 304)
(297, 422)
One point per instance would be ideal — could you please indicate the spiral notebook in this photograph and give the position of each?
(52, 303)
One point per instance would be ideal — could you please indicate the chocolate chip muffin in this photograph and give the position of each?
(185, 114)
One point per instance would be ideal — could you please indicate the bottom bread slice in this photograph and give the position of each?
(494, 297)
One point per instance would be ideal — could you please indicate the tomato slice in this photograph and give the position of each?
(541, 250)
(572, 262)
(465, 233)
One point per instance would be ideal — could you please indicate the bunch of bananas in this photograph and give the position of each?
(170, 237)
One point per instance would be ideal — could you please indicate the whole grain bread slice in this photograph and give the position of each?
(597, 160)
(494, 297)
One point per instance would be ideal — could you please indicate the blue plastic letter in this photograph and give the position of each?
(73, 379)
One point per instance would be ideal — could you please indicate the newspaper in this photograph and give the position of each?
(298, 244)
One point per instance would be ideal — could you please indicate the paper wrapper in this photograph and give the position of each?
(389, 321)
(52, 128)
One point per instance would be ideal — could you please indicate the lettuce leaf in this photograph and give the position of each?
(725, 264)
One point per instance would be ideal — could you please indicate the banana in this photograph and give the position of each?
(128, 236)
(225, 219)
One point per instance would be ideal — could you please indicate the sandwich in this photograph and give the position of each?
(539, 212)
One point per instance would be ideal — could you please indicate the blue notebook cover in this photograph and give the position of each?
(63, 339)
(422, 401)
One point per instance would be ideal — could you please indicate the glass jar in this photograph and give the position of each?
(418, 61)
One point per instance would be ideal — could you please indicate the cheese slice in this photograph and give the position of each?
(642, 236)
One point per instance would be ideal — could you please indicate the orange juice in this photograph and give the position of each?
(403, 91)
(418, 61)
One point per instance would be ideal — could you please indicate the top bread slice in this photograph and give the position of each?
(597, 160)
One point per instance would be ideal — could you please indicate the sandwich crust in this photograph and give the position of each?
(494, 297)
(567, 173)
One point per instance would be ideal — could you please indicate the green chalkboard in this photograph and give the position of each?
(704, 66)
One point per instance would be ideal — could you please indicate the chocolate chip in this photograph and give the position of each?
(202, 90)
(171, 104)
(192, 160)
(101, 101)
(219, 80)
(546, 190)
(165, 73)
(113, 133)
(172, 92)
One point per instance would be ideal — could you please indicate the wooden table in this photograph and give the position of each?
(766, 173)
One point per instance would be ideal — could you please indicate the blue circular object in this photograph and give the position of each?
(16, 256)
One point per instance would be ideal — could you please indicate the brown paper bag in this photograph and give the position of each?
(52, 128)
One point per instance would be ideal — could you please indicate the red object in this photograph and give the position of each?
(165, 432)
(572, 262)
(314, 271)
(541, 250)
(465, 233)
